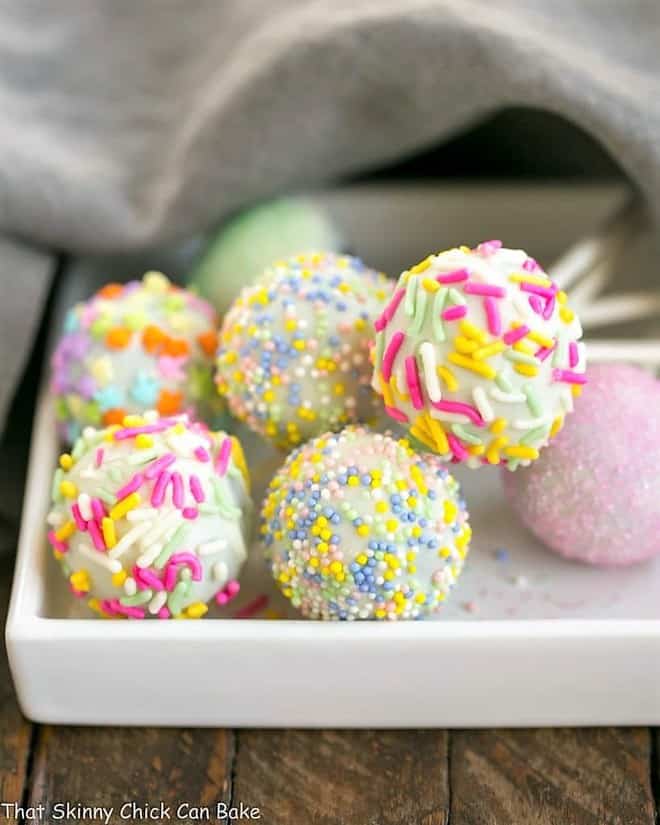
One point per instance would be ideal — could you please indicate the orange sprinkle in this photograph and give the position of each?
(169, 403)
(176, 347)
(113, 416)
(110, 291)
(118, 338)
(208, 341)
(153, 338)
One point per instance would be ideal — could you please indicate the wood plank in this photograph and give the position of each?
(343, 777)
(112, 766)
(552, 777)
(15, 731)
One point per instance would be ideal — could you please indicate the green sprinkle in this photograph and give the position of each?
(463, 433)
(177, 596)
(503, 382)
(143, 456)
(411, 296)
(512, 464)
(559, 357)
(535, 435)
(176, 541)
(78, 448)
(55, 488)
(208, 509)
(116, 474)
(455, 297)
(65, 568)
(380, 346)
(520, 357)
(420, 311)
(226, 507)
(438, 306)
(533, 401)
(139, 598)
(106, 496)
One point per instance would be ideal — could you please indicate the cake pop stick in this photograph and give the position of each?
(614, 309)
(624, 351)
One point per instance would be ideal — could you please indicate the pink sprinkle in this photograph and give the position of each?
(196, 488)
(390, 309)
(454, 277)
(514, 335)
(543, 352)
(397, 414)
(98, 509)
(549, 308)
(229, 592)
(98, 458)
(131, 432)
(458, 408)
(252, 608)
(56, 543)
(131, 612)
(487, 248)
(544, 291)
(177, 490)
(536, 304)
(454, 313)
(493, 316)
(223, 457)
(146, 578)
(81, 524)
(530, 265)
(163, 613)
(380, 324)
(95, 533)
(412, 377)
(108, 606)
(131, 486)
(190, 513)
(201, 454)
(459, 451)
(158, 493)
(487, 290)
(569, 377)
(390, 354)
(159, 465)
(173, 564)
(573, 357)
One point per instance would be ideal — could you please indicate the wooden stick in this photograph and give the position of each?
(620, 351)
(614, 309)
(605, 244)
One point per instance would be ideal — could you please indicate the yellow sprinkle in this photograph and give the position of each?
(386, 392)
(540, 339)
(363, 530)
(470, 364)
(196, 610)
(521, 451)
(143, 441)
(133, 421)
(498, 426)
(430, 285)
(471, 331)
(562, 297)
(444, 552)
(450, 511)
(487, 352)
(119, 578)
(299, 344)
(420, 598)
(527, 369)
(493, 450)
(422, 266)
(379, 613)
(66, 462)
(391, 525)
(465, 345)
(394, 386)
(353, 481)
(66, 531)
(80, 581)
(361, 559)
(381, 506)
(576, 389)
(438, 434)
(446, 375)
(423, 436)
(476, 449)
(524, 346)
(566, 314)
(418, 478)
(537, 280)
(68, 489)
(122, 507)
(108, 529)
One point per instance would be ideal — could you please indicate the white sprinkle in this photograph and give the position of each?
(427, 354)
(142, 514)
(90, 473)
(130, 586)
(159, 528)
(506, 397)
(129, 538)
(483, 404)
(529, 423)
(209, 548)
(521, 303)
(85, 506)
(157, 602)
(566, 399)
(150, 416)
(99, 558)
(54, 519)
(220, 572)
(149, 556)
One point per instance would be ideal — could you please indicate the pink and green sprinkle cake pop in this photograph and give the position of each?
(150, 518)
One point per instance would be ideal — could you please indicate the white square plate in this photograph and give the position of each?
(528, 638)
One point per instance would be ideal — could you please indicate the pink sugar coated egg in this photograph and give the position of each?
(594, 495)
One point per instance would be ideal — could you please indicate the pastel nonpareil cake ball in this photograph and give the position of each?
(151, 518)
(134, 347)
(293, 358)
(595, 495)
(478, 354)
(356, 525)
(244, 246)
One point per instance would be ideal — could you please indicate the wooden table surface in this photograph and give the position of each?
(559, 776)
